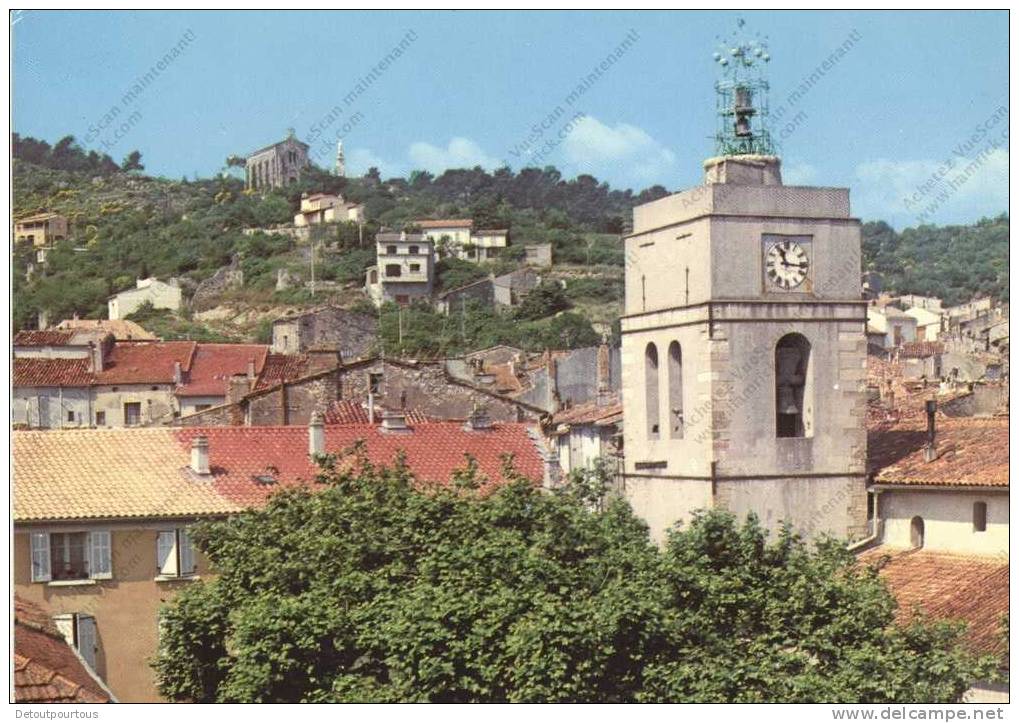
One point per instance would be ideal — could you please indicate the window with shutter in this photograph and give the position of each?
(187, 553)
(40, 557)
(100, 555)
(166, 553)
(87, 640)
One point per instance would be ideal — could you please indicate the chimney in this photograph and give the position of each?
(316, 435)
(930, 451)
(237, 388)
(251, 369)
(394, 422)
(478, 420)
(178, 375)
(200, 455)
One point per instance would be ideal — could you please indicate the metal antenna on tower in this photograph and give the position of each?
(742, 95)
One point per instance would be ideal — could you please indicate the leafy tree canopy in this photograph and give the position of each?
(371, 587)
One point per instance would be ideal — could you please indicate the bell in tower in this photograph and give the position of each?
(741, 127)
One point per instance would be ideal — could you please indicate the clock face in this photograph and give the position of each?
(786, 264)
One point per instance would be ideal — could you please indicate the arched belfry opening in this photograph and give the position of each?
(793, 403)
(651, 390)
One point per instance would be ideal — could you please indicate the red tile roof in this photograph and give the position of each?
(343, 411)
(46, 668)
(590, 413)
(445, 223)
(42, 338)
(921, 349)
(213, 364)
(145, 362)
(37, 372)
(280, 368)
(434, 450)
(971, 452)
(949, 587)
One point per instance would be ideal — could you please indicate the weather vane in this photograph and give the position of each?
(742, 95)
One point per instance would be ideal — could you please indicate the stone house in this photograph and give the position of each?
(40, 229)
(323, 208)
(161, 295)
(890, 327)
(276, 165)
(404, 270)
(583, 434)
(538, 255)
(350, 333)
(448, 236)
(504, 291)
(928, 322)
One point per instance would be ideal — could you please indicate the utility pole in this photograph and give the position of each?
(399, 326)
(463, 320)
(313, 267)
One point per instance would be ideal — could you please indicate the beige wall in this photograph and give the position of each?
(661, 503)
(948, 520)
(126, 607)
(158, 403)
(162, 296)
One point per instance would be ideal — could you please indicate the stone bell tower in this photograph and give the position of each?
(744, 344)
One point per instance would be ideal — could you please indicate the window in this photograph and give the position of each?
(70, 415)
(393, 270)
(979, 517)
(375, 383)
(71, 556)
(79, 630)
(793, 407)
(132, 414)
(676, 390)
(651, 389)
(412, 250)
(415, 268)
(202, 407)
(175, 555)
(391, 250)
(100, 419)
(916, 532)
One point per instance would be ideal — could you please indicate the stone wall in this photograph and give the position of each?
(351, 333)
(293, 402)
(425, 387)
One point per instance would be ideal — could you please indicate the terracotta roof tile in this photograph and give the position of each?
(46, 668)
(343, 411)
(144, 473)
(145, 362)
(42, 338)
(445, 223)
(279, 368)
(969, 588)
(434, 450)
(122, 329)
(213, 364)
(921, 349)
(38, 372)
(107, 473)
(970, 452)
(590, 413)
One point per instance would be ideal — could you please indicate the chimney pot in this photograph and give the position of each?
(316, 435)
(930, 452)
(251, 369)
(178, 375)
(200, 455)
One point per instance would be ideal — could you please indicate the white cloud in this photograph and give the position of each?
(459, 153)
(359, 160)
(798, 174)
(623, 151)
(953, 190)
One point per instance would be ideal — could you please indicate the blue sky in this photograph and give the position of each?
(909, 118)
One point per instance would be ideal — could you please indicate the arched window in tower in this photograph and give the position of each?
(793, 388)
(651, 389)
(675, 390)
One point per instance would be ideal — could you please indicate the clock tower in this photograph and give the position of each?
(744, 344)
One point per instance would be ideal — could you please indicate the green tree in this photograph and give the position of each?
(132, 162)
(543, 300)
(369, 586)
